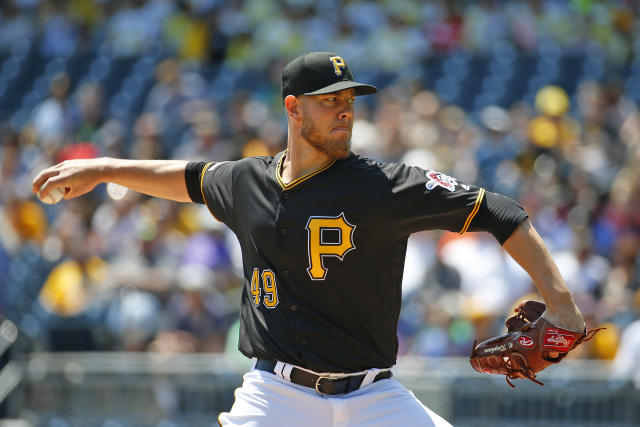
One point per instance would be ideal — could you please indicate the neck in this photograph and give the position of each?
(301, 160)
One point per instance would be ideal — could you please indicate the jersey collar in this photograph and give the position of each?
(302, 178)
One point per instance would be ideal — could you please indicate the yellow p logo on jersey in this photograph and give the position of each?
(338, 64)
(319, 247)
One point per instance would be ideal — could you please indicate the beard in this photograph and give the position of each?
(335, 147)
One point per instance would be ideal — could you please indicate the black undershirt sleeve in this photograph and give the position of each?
(499, 215)
(192, 176)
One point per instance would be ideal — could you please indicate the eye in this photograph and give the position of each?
(352, 100)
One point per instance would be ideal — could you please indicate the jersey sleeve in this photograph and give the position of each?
(216, 185)
(499, 215)
(428, 200)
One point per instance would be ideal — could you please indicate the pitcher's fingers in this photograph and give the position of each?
(50, 184)
(41, 178)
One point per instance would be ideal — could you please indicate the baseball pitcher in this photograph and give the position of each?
(323, 234)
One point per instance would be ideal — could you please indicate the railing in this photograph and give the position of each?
(144, 389)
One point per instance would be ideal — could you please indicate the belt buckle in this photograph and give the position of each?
(320, 377)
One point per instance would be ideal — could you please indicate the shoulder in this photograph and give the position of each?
(403, 176)
(359, 165)
(395, 173)
(254, 163)
(257, 163)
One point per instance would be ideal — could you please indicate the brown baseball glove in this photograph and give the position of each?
(525, 349)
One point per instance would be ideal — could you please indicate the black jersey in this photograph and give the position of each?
(323, 256)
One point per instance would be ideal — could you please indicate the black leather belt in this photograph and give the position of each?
(322, 384)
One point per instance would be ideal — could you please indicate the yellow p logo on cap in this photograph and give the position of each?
(338, 64)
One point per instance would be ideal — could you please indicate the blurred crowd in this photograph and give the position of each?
(386, 33)
(116, 270)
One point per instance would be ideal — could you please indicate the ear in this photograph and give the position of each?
(292, 105)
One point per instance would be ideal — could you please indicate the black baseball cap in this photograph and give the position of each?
(316, 73)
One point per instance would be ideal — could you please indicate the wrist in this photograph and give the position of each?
(106, 169)
(567, 317)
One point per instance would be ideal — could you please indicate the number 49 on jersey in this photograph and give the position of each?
(265, 282)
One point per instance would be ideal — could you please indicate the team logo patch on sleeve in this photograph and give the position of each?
(445, 181)
(556, 340)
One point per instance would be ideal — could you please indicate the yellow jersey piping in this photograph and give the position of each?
(473, 213)
(301, 179)
(204, 169)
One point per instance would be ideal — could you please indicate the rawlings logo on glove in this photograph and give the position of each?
(524, 350)
(556, 340)
(526, 342)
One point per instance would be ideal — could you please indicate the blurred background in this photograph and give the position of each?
(117, 309)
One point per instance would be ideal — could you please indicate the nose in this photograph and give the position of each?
(346, 112)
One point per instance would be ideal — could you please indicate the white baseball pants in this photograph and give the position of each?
(266, 400)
